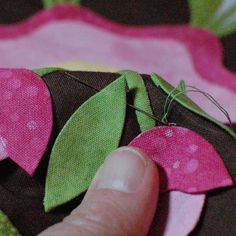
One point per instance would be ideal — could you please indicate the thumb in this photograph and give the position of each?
(120, 201)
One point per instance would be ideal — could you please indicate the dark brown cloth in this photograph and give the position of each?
(21, 195)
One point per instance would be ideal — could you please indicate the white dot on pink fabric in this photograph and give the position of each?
(3, 148)
(168, 133)
(191, 166)
(226, 181)
(37, 143)
(192, 148)
(32, 91)
(32, 125)
(15, 83)
(160, 143)
(176, 164)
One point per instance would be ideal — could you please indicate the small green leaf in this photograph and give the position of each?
(141, 99)
(91, 133)
(187, 102)
(216, 15)
(50, 3)
(45, 70)
(202, 11)
(6, 227)
(181, 86)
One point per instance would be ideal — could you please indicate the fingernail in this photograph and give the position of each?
(123, 170)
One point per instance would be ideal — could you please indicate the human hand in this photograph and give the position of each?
(120, 201)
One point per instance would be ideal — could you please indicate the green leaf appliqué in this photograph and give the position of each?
(216, 15)
(6, 227)
(91, 133)
(141, 99)
(50, 3)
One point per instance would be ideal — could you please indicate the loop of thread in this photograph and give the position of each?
(167, 105)
(194, 89)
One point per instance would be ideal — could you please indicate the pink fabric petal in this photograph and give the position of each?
(177, 213)
(26, 117)
(187, 161)
(190, 52)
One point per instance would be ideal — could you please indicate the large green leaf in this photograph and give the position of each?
(49, 3)
(141, 99)
(6, 227)
(218, 16)
(91, 133)
(187, 102)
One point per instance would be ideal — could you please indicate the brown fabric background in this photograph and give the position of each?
(21, 196)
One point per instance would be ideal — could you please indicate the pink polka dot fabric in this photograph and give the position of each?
(26, 117)
(188, 163)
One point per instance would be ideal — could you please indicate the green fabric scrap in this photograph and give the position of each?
(6, 227)
(50, 3)
(187, 102)
(215, 15)
(141, 99)
(181, 86)
(45, 70)
(91, 133)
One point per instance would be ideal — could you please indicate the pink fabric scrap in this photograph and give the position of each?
(187, 162)
(26, 117)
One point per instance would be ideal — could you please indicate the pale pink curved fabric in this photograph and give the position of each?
(26, 117)
(177, 214)
(187, 162)
(66, 33)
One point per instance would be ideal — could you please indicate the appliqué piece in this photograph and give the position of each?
(188, 103)
(50, 3)
(177, 213)
(26, 117)
(91, 133)
(141, 99)
(216, 15)
(6, 227)
(188, 163)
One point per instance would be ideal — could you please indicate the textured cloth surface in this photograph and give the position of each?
(26, 117)
(187, 161)
(6, 227)
(177, 213)
(91, 133)
(216, 15)
(22, 196)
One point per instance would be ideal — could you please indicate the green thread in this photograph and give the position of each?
(188, 103)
